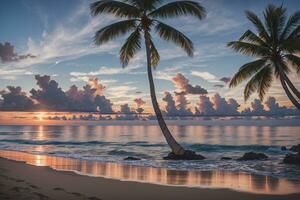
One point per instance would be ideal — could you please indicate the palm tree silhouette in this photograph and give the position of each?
(275, 45)
(142, 16)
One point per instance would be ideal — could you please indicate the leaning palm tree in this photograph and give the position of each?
(141, 18)
(275, 44)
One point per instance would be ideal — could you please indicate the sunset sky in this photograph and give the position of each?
(60, 36)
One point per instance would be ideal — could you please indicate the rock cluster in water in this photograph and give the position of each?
(293, 158)
(295, 148)
(131, 158)
(253, 156)
(188, 155)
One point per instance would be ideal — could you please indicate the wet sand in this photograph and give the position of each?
(22, 181)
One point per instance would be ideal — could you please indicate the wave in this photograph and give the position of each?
(11, 133)
(144, 144)
(47, 142)
(222, 148)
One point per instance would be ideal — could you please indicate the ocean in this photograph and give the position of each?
(113, 143)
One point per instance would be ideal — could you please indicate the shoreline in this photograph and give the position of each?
(20, 180)
(237, 182)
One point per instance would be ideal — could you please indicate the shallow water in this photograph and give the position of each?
(114, 143)
(239, 181)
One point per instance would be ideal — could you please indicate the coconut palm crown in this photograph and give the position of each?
(275, 43)
(140, 18)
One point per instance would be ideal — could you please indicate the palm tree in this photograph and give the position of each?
(275, 45)
(141, 17)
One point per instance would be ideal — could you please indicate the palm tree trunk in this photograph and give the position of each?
(287, 91)
(176, 148)
(291, 85)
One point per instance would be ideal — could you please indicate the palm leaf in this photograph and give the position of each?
(294, 34)
(292, 24)
(259, 25)
(247, 48)
(246, 71)
(251, 37)
(291, 45)
(130, 47)
(255, 83)
(148, 5)
(117, 8)
(114, 30)
(179, 8)
(274, 21)
(295, 61)
(266, 81)
(154, 55)
(169, 33)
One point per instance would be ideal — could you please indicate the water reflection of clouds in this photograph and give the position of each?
(213, 179)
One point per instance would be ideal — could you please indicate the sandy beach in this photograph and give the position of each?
(22, 181)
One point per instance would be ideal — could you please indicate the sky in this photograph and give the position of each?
(59, 35)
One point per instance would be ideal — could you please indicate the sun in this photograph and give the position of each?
(41, 116)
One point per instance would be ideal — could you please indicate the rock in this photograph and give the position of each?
(188, 155)
(253, 156)
(292, 159)
(226, 158)
(131, 158)
(283, 148)
(295, 148)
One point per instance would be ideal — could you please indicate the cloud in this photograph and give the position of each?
(49, 94)
(91, 97)
(205, 106)
(257, 106)
(182, 104)
(225, 79)
(95, 84)
(223, 107)
(7, 53)
(183, 85)
(71, 39)
(219, 86)
(139, 102)
(125, 109)
(206, 76)
(170, 104)
(15, 99)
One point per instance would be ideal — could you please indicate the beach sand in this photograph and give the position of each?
(22, 181)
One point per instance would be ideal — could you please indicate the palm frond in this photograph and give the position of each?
(251, 37)
(117, 8)
(259, 25)
(255, 83)
(246, 71)
(291, 45)
(130, 47)
(148, 5)
(248, 49)
(114, 30)
(154, 55)
(291, 25)
(169, 33)
(265, 83)
(295, 61)
(279, 66)
(294, 34)
(274, 21)
(179, 8)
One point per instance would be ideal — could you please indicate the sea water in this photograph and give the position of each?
(113, 143)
